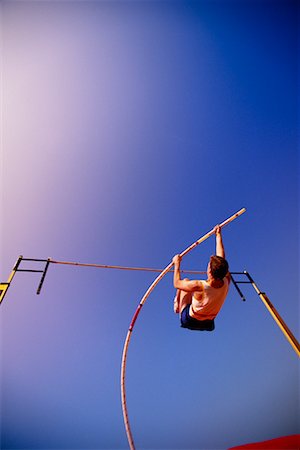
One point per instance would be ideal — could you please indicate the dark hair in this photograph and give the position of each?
(218, 266)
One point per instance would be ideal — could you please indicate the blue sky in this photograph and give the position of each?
(129, 129)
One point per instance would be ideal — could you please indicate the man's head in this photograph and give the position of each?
(218, 267)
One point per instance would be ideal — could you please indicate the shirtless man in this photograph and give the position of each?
(199, 301)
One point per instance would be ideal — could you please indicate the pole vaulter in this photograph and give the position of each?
(135, 316)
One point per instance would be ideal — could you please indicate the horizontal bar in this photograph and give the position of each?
(29, 270)
(34, 259)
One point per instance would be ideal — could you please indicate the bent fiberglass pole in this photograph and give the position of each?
(135, 316)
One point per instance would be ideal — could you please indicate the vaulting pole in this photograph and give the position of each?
(135, 316)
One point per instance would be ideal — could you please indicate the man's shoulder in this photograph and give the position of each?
(201, 284)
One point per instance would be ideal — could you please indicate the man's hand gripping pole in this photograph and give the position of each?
(211, 232)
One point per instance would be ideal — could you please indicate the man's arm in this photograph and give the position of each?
(220, 251)
(184, 285)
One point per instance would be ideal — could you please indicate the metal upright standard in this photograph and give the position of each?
(17, 268)
(5, 286)
(270, 307)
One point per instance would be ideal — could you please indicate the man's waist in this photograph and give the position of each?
(200, 315)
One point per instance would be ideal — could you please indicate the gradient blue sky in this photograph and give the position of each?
(129, 129)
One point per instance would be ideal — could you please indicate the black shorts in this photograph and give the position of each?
(193, 324)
